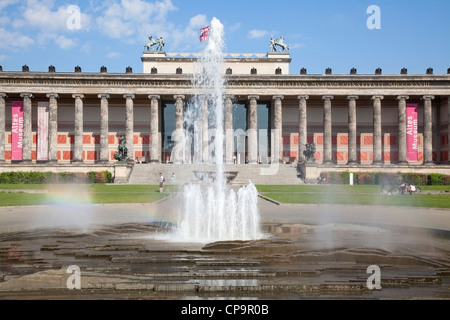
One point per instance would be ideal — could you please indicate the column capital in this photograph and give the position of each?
(179, 96)
(427, 97)
(278, 97)
(3, 95)
(403, 97)
(228, 96)
(377, 97)
(26, 94)
(352, 97)
(78, 95)
(104, 96)
(304, 96)
(52, 95)
(327, 97)
(253, 97)
(129, 95)
(155, 96)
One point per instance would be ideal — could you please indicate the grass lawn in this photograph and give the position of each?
(90, 193)
(355, 195)
(308, 194)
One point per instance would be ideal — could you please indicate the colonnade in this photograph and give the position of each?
(252, 148)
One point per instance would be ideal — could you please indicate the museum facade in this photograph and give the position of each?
(271, 114)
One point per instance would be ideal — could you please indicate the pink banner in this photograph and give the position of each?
(42, 131)
(412, 141)
(16, 130)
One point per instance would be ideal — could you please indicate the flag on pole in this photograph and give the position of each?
(204, 32)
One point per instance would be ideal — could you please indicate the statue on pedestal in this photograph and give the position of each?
(309, 152)
(122, 155)
(273, 43)
(159, 43)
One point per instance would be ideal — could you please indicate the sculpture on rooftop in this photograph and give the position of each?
(274, 43)
(159, 43)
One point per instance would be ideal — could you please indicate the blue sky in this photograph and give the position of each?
(321, 33)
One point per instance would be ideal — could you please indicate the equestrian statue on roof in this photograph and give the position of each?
(279, 42)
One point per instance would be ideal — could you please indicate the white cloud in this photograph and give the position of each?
(86, 48)
(134, 20)
(234, 27)
(5, 3)
(64, 42)
(14, 40)
(255, 34)
(4, 21)
(187, 38)
(298, 46)
(113, 55)
(37, 22)
(198, 21)
(3, 57)
(39, 14)
(40, 22)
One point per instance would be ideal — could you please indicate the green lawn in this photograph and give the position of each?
(20, 199)
(318, 188)
(308, 194)
(95, 193)
(356, 195)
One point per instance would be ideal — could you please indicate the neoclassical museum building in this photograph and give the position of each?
(73, 120)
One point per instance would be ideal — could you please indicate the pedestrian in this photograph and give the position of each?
(403, 187)
(161, 182)
(172, 178)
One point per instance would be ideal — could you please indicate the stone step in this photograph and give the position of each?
(148, 173)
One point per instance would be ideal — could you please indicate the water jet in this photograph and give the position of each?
(213, 212)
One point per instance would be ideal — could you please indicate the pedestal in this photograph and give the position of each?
(122, 171)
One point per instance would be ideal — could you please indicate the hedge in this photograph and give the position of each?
(50, 177)
(384, 178)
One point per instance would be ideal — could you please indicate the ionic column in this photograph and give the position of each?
(155, 137)
(179, 148)
(427, 130)
(402, 129)
(448, 127)
(78, 147)
(377, 138)
(302, 128)
(53, 128)
(179, 111)
(129, 124)
(27, 127)
(205, 132)
(252, 131)
(104, 128)
(277, 149)
(352, 158)
(3, 96)
(229, 139)
(327, 140)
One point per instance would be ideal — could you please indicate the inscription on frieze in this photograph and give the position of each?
(355, 84)
(229, 83)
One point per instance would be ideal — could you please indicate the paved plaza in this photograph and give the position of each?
(308, 252)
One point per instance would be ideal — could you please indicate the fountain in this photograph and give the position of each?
(213, 211)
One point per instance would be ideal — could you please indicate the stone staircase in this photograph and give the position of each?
(148, 173)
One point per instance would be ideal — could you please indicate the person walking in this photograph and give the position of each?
(172, 178)
(161, 182)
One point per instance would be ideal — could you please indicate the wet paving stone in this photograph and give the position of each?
(289, 263)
